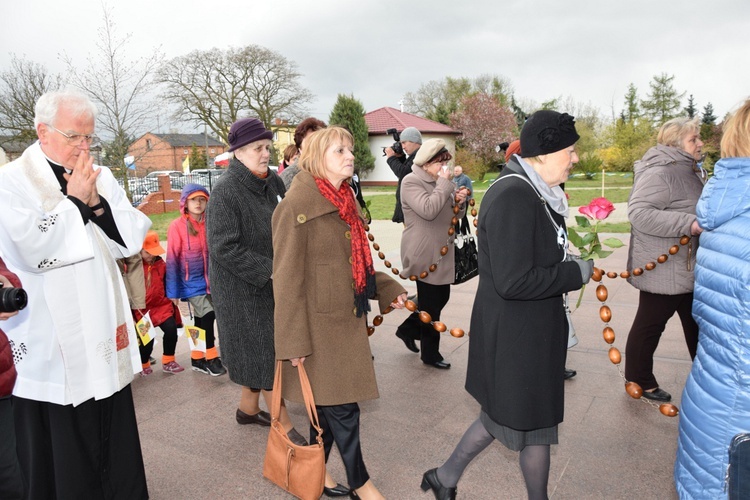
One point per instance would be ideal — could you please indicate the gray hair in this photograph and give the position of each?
(49, 104)
(674, 131)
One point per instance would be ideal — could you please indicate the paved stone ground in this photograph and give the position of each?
(611, 446)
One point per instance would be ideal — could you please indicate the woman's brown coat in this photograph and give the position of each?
(313, 285)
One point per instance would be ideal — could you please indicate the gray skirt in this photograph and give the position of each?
(516, 440)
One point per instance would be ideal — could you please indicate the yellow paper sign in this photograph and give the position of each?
(143, 327)
(197, 338)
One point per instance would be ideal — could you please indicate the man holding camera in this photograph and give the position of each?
(63, 222)
(11, 479)
(411, 141)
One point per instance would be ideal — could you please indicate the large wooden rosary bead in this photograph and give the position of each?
(457, 332)
(601, 293)
(634, 390)
(609, 334)
(684, 240)
(614, 355)
(605, 313)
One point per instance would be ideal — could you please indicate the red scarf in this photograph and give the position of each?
(363, 271)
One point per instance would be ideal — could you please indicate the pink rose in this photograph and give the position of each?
(598, 209)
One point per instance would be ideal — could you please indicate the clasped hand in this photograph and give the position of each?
(82, 180)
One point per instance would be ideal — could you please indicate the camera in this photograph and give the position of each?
(503, 146)
(12, 299)
(396, 147)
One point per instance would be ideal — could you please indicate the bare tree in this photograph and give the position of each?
(21, 86)
(120, 87)
(217, 87)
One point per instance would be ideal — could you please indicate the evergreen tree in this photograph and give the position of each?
(197, 157)
(632, 110)
(348, 112)
(517, 112)
(691, 110)
(708, 114)
(663, 101)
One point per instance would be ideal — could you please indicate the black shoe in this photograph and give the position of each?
(439, 364)
(431, 481)
(658, 395)
(337, 491)
(215, 368)
(199, 365)
(296, 438)
(569, 374)
(408, 341)
(260, 418)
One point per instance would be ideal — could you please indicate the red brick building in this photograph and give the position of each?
(168, 151)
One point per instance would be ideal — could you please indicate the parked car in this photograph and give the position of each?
(176, 179)
(206, 177)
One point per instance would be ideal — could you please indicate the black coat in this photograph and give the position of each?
(519, 333)
(401, 167)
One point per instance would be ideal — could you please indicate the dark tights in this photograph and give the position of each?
(534, 461)
(169, 327)
(206, 322)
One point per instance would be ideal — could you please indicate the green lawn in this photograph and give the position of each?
(160, 223)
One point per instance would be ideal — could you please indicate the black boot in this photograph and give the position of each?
(431, 481)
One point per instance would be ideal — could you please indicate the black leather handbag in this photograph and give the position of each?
(466, 255)
(738, 476)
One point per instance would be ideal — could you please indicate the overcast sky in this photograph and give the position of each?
(377, 51)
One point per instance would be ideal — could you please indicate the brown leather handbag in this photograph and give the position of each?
(299, 470)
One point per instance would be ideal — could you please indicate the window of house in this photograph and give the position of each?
(148, 144)
(213, 151)
(184, 151)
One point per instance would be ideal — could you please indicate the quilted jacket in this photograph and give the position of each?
(716, 399)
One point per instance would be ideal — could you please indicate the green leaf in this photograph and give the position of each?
(585, 255)
(600, 254)
(583, 221)
(589, 238)
(574, 238)
(613, 243)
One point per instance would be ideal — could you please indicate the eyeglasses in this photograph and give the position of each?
(76, 139)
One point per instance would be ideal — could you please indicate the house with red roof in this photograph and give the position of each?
(380, 120)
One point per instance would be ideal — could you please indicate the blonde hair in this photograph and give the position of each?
(312, 157)
(675, 130)
(735, 142)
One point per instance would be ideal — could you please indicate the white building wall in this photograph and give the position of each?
(382, 172)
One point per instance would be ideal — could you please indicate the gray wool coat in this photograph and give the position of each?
(315, 314)
(238, 229)
(428, 210)
(661, 209)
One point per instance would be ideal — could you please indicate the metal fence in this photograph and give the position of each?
(140, 187)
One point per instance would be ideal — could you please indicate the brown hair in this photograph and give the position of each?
(307, 125)
(442, 156)
(289, 152)
(312, 158)
(735, 142)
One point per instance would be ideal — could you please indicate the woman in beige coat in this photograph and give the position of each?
(427, 198)
(323, 269)
(667, 184)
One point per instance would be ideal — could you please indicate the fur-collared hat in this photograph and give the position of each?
(411, 134)
(546, 132)
(245, 131)
(429, 150)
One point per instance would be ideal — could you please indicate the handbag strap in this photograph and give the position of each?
(558, 228)
(307, 395)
